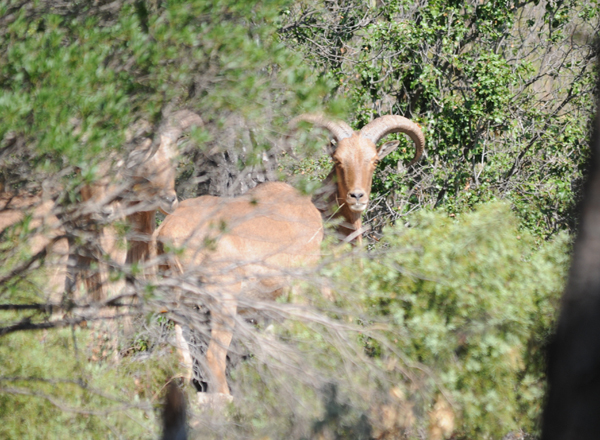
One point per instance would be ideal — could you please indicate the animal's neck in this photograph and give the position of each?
(140, 245)
(352, 223)
(327, 202)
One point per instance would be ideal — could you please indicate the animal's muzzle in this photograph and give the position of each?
(169, 203)
(357, 200)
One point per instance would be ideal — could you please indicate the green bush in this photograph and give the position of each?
(473, 300)
(51, 387)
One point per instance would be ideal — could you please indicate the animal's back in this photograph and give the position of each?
(269, 228)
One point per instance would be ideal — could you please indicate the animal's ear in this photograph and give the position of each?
(387, 148)
(331, 147)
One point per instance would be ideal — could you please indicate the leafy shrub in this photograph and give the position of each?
(50, 388)
(473, 299)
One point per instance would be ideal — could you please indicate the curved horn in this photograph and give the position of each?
(384, 125)
(339, 129)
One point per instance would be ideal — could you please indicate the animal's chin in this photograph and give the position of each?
(358, 207)
(168, 209)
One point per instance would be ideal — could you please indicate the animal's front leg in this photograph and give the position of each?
(116, 248)
(222, 324)
(184, 352)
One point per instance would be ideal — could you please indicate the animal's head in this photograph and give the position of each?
(152, 172)
(153, 167)
(356, 153)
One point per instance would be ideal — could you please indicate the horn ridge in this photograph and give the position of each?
(339, 129)
(388, 124)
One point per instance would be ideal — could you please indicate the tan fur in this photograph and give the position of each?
(241, 247)
(141, 247)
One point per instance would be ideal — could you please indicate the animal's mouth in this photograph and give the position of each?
(357, 207)
(168, 208)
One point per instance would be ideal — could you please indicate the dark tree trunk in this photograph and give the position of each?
(573, 402)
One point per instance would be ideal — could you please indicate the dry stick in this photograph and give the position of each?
(64, 407)
(46, 307)
(27, 264)
(80, 383)
(356, 233)
(26, 324)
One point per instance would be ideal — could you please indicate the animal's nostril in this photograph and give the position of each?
(357, 194)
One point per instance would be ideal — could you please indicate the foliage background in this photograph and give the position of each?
(503, 90)
(446, 316)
